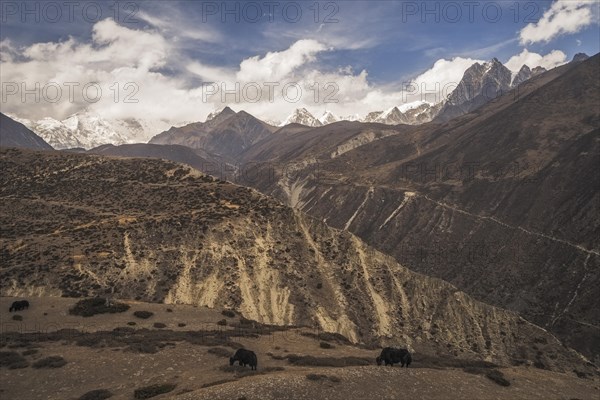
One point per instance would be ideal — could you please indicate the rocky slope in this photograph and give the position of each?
(225, 134)
(526, 73)
(15, 134)
(480, 84)
(502, 202)
(81, 225)
(197, 159)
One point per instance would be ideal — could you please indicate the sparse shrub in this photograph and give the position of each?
(219, 351)
(319, 285)
(328, 337)
(423, 360)
(12, 360)
(474, 370)
(222, 322)
(98, 394)
(159, 325)
(581, 374)
(169, 310)
(30, 352)
(50, 362)
(228, 313)
(325, 345)
(144, 347)
(17, 318)
(498, 377)
(181, 324)
(153, 390)
(143, 314)
(91, 307)
(131, 323)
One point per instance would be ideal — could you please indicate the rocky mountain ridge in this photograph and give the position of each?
(162, 232)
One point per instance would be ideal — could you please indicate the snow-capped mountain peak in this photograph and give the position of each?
(301, 116)
(415, 104)
(223, 113)
(327, 118)
(87, 129)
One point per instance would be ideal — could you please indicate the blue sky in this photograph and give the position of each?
(369, 49)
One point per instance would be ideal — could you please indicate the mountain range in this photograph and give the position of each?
(499, 198)
(224, 134)
(86, 129)
(480, 83)
(502, 201)
(15, 134)
(158, 231)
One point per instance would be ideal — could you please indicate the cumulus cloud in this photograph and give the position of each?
(563, 17)
(117, 75)
(129, 66)
(551, 60)
(275, 66)
(443, 77)
(142, 74)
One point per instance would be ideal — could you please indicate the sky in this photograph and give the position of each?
(178, 61)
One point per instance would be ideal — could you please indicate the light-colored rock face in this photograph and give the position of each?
(158, 231)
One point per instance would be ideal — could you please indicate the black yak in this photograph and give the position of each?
(244, 357)
(19, 305)
(391, 356)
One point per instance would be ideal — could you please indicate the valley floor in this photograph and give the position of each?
(140, 355)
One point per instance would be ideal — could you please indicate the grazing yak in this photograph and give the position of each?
(391, 356)
(244, 357)
(19, 305)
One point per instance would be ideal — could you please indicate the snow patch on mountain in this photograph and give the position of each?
(302, 116)
(87, 129)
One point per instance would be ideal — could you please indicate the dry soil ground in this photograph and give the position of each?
(124, 360)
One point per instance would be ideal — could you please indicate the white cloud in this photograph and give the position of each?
(163, 77)
(122, 55)
(210, 73)
(445, 75)
(116, 57)
(275, 66)
(7, 51)
(176, 25)
(532, 60)
(563, 17)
